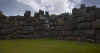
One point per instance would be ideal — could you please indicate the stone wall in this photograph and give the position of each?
(84, 27)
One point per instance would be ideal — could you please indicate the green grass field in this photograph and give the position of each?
(47, 46)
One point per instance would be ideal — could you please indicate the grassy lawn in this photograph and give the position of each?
(47, 46)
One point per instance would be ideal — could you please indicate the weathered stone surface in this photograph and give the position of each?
(13, 23)
(78, 33)
(19, 32)
(21, 36)
(47, 13)
(11, 30)
(90, 34)
(96, 24)
(13, 35)
(72, 23)
(54, 18)
(29, 19)
(81, 19)
(28, 23)
(44, 34)
(28, 30)
(37, 34)
(97, 14)
(20, 27)
(33, 19)
(58, 28)
(37, 15)
(46, 22)
(4, 31)
(20, 18)
(29, 36)
(5, 21)
(38, 22)
(22, 22)
(55, 23)
(97, 34)
(41, 12)
(33, 24)
(52, 28)
(60, 22)
(38, 28)
(27, 13)
(67, 33)
(2, 26)
(4, 37)
(46, 27)
(84, 25)
(15, 29)
(91, 17)
(41, 18)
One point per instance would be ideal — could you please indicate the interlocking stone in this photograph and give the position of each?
(13, 35)
(96, 24)
(27, 13)
(21, 22)
(38, 28)
(33, 24)
(72, 23)
(46, 27)
(58, 28)
(81, 19)
(91, 17)
(60, 22)
(84, 25)
(28, 30)
(90, 34)
(44, 34)
(78, 33)
(4, 31)
(37, 34)
(67, 33)
(29, 36)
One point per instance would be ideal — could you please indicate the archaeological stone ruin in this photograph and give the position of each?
(82, 25)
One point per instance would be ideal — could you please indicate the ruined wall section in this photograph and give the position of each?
(84, 27)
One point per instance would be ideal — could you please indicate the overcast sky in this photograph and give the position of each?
(18, 7)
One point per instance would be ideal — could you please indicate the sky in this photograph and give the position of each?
(18, 7)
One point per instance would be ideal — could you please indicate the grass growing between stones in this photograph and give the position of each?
(47, 46)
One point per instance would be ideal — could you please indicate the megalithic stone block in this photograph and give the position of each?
(52, 28)
(38, 28)
(4, 32)
(58, 28)
(41, 18)
(46, 22)
(79, 33)
(29, 19)
(13, 35)
(97, 14)
(27, 13)
(91, 17)
(33, 24)
(21, 22)
(37, 34)
(44, 34)
(72, 23)
(98, 35)
(84, 25)
(29, 36)
(33, 19)
(81, 19)
(46, 27)
(37, 15)
(28, 30)
(96, 24)
(41, 12)
(60, 22)
(90, 34)
(13, 23)
(67, 33)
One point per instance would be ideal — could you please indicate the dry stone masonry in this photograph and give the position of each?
(82, 25)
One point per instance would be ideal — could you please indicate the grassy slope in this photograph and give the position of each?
(47, 46)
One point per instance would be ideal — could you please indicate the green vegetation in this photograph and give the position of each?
(47, 46)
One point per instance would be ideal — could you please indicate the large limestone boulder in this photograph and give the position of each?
(46, 27)
(91, 17)
(4, 31)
